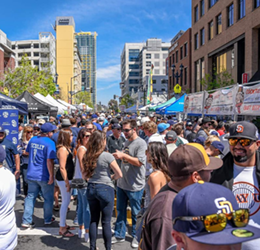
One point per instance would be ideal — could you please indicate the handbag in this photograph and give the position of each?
(78, 183)
(140, 223)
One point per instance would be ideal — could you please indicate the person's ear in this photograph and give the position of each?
(258, 143)
(195, 177)
(179, 239)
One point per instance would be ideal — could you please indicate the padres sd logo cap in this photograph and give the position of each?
(243, 129)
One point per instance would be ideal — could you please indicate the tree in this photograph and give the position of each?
(113, 105)
(27, 77)
(127, 101)
(83, 97)
(217, 80)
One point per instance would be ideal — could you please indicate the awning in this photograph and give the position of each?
(66, 104)
(176, 107)
(172, 100)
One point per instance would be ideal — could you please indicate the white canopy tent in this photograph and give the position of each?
(61, 109)
(67, 104)
(156, 100)
(81, 106)
(52, 100)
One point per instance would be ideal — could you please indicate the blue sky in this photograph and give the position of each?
(116, 21)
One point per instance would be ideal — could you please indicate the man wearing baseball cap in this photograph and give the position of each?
(188, 164)
(171, 139)
(241, 171)
(205, 126)
(40, 174)
(188, 129)
(213, 222)
(215, 149)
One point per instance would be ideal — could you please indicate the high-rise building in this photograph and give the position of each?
(7, 55)
(67, 58)
(136, 62)
(41, 53)
(86, 42)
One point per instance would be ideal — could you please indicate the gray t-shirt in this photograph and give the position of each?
(133, 176)
(102, 171)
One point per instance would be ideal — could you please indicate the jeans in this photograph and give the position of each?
(101, 199)
(83, 208)
(135, 199)
(34, 187)
(24, 178)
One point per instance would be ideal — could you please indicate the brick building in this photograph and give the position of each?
(225, 36)
(180, 54)
(7, 56)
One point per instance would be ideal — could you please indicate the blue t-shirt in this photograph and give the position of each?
(75, 131)
(40, 149)
(10, 150)
(98, 126)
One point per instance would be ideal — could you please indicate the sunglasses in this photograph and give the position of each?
(243, 141)
(127, 130)
(218, 222)
(36, 129)
(118, 129)
(89, 129)
(87, 136)
(29, 132)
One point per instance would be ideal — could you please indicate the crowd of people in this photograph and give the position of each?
(158, 167)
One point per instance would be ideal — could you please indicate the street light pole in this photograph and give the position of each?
(177, 75)
(71, 86)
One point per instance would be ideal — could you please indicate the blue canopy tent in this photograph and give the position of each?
(132, 109)
(174, 108)
(7, 102)
(164, 105)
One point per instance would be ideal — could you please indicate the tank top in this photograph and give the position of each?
(69, 168)
(78, 173)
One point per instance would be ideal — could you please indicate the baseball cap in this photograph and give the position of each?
(47, 127)
(144, 119)
(191, 137)
(102, 114)
(210, 199)
(218, 145)
(201, 140)
(243, 129)
(94, 116)
(171, 122)
(114, 120)
(2, 130)
(109, 117)
(36, 126)
(214, 133)
(41, 121)
(65, 123)
(101, 118)
(2, 154)
(189, 124)
(191, 157)
(171, 136)
(116, 125)
(162, 126)
(206, 119)
(151, 115)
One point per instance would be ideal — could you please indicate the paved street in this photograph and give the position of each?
(46, 237)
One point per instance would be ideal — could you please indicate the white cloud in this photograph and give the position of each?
(111, 73)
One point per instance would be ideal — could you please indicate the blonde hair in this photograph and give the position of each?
(25, 130)
(210, 139)
(150, 126)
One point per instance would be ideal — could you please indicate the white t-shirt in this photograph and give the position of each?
(246, 191)
(8, 230)
(78, 173)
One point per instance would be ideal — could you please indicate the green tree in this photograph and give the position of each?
(113, 105)
(27, 77)
(127, 101)
(83, 97)
(217, 80)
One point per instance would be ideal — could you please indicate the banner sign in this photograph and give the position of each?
(247, 100)
(9, 122)
(193, 103)
(220, 102)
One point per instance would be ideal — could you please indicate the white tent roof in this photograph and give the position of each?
(44, 99)
(156, 100)
(56, 103)
(67, 104)
(87, 107)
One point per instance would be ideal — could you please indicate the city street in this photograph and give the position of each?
(46, 237)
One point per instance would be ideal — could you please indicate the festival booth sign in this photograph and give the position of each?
(193, 104)
(220, 102)
(247, 100)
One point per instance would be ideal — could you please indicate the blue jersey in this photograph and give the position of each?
(40, 149)
(98, 126)
(10, 150)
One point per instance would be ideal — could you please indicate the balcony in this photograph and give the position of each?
(45, 49)
(45, 59)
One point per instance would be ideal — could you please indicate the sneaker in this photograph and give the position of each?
(81, 233)
(75, 221)
(48, 223)
(32, 225)
(134, 243)
(86, 237)
(117, 240)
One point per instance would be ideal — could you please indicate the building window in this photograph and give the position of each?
(196, 38)
(154, 81)
(156, 71)
(202, 36)
(196, 14)
(133, 81)
(212, 2)
(133, 55)
(197, 76)
(148, 64)
(230, 15)
(157, 56)
(242, 8)
(221, 63)
(185, 76)
(219, 24)
(202, 68)
(177, 56)
(173, 59)
(156, 64)
(181, 53)
(133, 66)
(202, 8)
(132, 73)
(185, 49)
(211, 26)
(148, 56)
(257, 3)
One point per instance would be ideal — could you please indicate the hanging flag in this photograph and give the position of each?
(150, 86)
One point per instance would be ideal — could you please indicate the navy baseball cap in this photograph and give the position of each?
(116, 125)
(243, 129)
(209, 199)
(214, 133)
(218, 145)
(162, 126)
(2, 129)
(189, 124)
(47, 127)
(201, 140)
(171, 122)
(2, 154)
(94, 116)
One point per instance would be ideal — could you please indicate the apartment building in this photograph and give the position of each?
(225, 37)
(136, 62)
(7, 55)
(41, 52)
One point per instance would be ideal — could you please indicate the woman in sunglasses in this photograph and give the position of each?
(83, 206)
(97, 165)
(64, 176)
(24, 157)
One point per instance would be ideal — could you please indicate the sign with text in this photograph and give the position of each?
(193, 103)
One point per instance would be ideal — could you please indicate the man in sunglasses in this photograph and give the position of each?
(241, 171)
(214, 221)
(205, 127)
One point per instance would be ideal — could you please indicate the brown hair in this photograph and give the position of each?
(64, 138)
(210, 139)
(73, 121)
(25, 130)
(80, 137)
(178, 129)
(132, 123)
(95, 147)
(150, 126)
